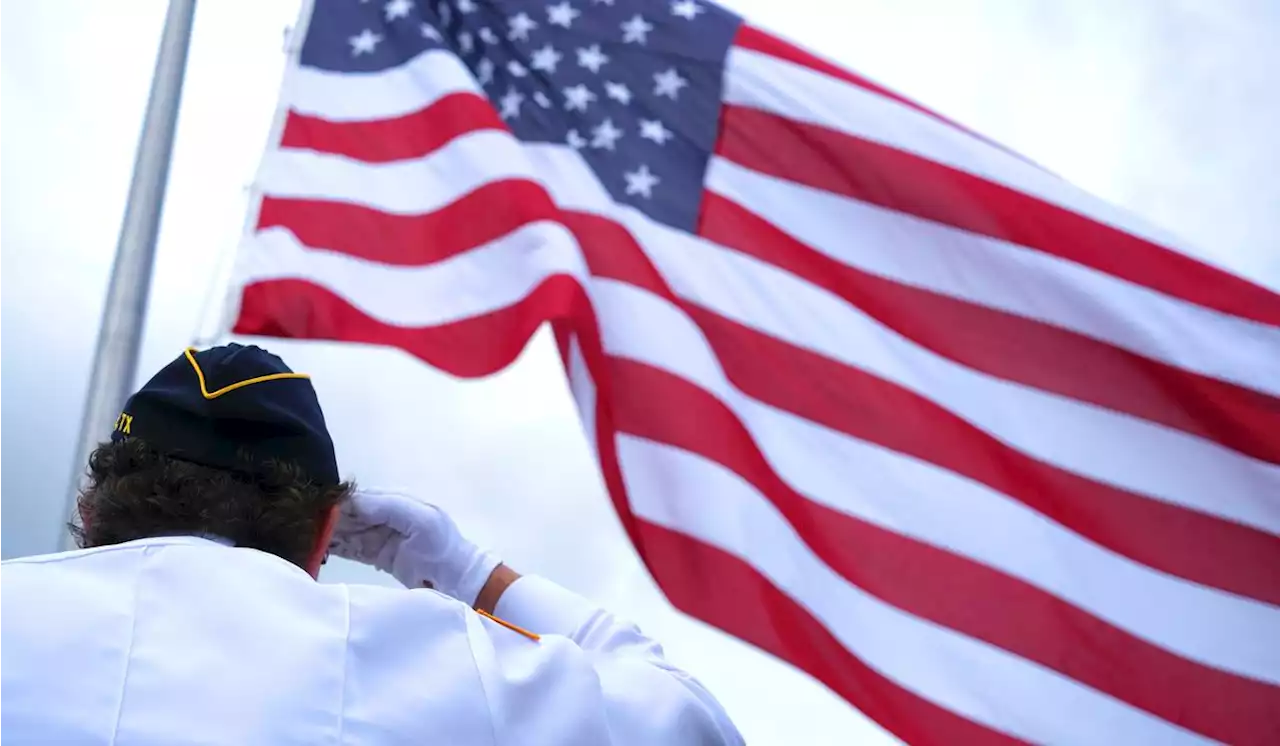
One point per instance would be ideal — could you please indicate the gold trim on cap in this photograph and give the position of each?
(204, 390)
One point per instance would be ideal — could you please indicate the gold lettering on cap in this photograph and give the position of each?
(124, 423)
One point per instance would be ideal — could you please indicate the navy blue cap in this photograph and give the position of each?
(232, 407)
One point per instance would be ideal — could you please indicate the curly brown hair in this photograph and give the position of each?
(136, 492)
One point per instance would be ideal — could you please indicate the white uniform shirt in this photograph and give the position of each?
(183, 640)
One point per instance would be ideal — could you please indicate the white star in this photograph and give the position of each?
(636, 30)
(562, 14)
(510, 103)
(578, 97)
(641, 181)
(446, 13)
(652, 129)
(364, 43)
(545, 59)
(397, 9)
(668, 83)
(519, 26)
(686, 9)
(515, 68)
(575, 140)
(430, 32)
(618, 92)
(541, 99)
(592, 58)
(605, 135)
(465, 42)
(467, 6)
(487, 36)
(484, 71)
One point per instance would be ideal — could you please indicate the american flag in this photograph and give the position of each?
(992, 459)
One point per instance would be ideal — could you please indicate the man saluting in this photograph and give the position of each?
(191, 613)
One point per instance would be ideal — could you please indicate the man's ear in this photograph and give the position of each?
(320, 552)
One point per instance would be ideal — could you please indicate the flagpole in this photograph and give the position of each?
(115, 359)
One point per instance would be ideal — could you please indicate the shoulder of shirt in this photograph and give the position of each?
(44, 559)
(388, 597)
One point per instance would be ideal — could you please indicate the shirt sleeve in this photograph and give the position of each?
(590, 677)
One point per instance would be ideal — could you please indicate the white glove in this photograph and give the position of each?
(414, 541)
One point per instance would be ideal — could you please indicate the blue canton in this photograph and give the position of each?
(633, 85)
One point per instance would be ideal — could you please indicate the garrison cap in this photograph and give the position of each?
(233, 407)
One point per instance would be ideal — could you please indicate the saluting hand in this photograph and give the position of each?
(413, 540)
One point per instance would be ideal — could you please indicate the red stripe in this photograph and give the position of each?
(1229, 555)
(474, 219)
(947, 588)
(877, 174)
(470, 348)
(384, 140)
(1016, 348)
(756, 40)
(724, 591)
(583, 326)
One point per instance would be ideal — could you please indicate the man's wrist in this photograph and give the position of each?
(498, 582)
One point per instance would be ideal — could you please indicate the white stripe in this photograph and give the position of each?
(409, 187)
(695, 497)
(1112, 447)
(1105, 445)
(386, 94)
(994, 273)
(761, 81)
(928, 503)
(583, 388)
(484, 279)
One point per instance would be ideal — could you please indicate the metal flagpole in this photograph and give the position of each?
(115, 360)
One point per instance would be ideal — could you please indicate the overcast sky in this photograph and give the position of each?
(1168, 107)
